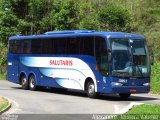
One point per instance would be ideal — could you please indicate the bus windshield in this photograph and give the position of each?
(129, 58)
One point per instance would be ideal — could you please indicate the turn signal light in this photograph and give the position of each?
(97, 68)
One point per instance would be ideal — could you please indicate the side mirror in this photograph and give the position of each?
(109, 55)
(151, 57)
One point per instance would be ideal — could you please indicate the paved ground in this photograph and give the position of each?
(66, 102)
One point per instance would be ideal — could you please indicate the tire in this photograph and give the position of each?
(24, 82)
(91, 90)
(32, 83)
(124, 96)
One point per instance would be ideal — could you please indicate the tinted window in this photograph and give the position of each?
(26, 46)
(101, 55)
(68, 45)
(139, 47)
(47, 46)
(19, 47)
(87, 46)
(73, 46)
(11, 46)
(60, 46)
(36, 46)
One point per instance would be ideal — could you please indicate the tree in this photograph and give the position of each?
(3, 59)
(8, 22)
(87, 17)
(113, 17)
(66, 16)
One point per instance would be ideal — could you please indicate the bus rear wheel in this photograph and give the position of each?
(124, 96)
(91, 90)
(24, 82)
(32, 83)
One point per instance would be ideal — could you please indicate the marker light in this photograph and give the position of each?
(97, 68)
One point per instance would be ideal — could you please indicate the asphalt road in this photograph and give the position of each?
(67, 103)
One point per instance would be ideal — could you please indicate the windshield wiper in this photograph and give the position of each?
(139, 69)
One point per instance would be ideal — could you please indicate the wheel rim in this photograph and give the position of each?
(91, 89)
(24, 80)
(32, 84)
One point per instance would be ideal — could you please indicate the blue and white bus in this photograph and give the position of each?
(91, 61)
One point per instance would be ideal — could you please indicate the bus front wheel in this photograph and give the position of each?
(91, 90)
(124, 96)
(32, 83)
(24, 82)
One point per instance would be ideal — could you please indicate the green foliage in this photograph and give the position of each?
(155, 81)
(114, 17)
(3, 54)
(3, 76)
(145, 109)
(87, 18)
(65, 17)
(8, 23)
(53, 15)
(141, 112)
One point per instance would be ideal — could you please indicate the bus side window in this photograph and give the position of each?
(36, 46)
(87, 46)
(47, 46)
(18, 47)
(12, 47)
(73, 46)
(101, 55)
(26, 47)
(60, 46)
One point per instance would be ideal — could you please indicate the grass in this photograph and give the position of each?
(3, 103)
(141, 112)
(155, 78)
(145, 109)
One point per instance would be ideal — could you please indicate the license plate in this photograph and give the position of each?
(133, 90)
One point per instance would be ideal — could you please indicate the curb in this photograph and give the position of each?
(129, 107)
(8, 107)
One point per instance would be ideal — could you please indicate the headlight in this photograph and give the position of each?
(146, 84)
(116, 84)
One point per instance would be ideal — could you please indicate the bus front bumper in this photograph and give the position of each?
(126, 89)
(130, 89)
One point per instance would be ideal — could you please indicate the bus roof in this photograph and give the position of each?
(74, 33)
